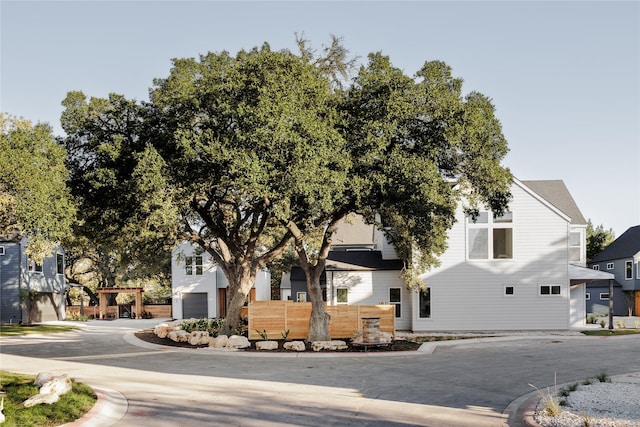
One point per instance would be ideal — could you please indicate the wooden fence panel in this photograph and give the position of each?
(275, 317)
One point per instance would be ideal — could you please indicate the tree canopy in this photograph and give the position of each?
(247, 152)
(34, 198)
(598, 239)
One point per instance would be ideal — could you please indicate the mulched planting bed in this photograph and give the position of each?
(398, 345)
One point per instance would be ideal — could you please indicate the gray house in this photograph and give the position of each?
(30, 292)
(622, 259)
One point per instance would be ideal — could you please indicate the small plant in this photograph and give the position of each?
(603, 377)
(264, 335)
(602, 323)
(586, 420)
(550, 404)
(78, 317)
(620, 324)
(636, 324)
(587, 382)
(285, 334)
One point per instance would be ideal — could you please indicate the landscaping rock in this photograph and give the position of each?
(267, 345)
(238, 341)
(219, 341)
(42, 378)
(295, 346)
(199, 338)
(178, 336)
(59, 385)
(329, 345)
(48, 398)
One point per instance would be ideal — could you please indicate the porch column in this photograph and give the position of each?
(103, 304)
(139, 304)
(610, 304)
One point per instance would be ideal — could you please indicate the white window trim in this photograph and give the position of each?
(342, 303)
(398, 302)
(626, 263)
(610, 266)
(301, 294)
(1, 250)
(596, 267)
(602, 298)
(587, 296)
(490, 225)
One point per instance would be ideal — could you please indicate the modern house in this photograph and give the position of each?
(622, 259)
(522, 270)
(30, 292)
(199, 286)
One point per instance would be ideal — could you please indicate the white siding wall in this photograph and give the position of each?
(578, 313)
(183, 283)
(382, 244)
(469, 294)
(372, 288)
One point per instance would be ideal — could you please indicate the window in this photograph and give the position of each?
(1, 250)
(189, 262)
(395, 298)
(549, 290)
(59, 264)
(604, 296)
(343, 295)
(34, 267)
(628, 270)
(609, 266)
(575, 246)
(587, 296)
(490, 237)
(301, 296)
(596, 267)
(425, 303)
(509, 290)
(199, 265)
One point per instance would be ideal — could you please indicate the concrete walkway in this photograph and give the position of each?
(450, 383)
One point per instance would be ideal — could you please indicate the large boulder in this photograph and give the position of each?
(178, 336)
(199, 338)
(42, 378)
(295, 346)
(59, 385)
(219, 342)
(48, 398)
(329, 345)
(267, 345)
(238, 341)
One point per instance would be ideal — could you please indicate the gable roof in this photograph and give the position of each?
(556, 193)
(625, 246)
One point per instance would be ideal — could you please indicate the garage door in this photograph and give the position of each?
(194, 305)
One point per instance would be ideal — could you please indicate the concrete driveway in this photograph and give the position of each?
(460, 384)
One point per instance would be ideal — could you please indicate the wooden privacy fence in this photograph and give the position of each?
(112, 311)
(276, 317)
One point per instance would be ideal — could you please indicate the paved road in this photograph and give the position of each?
(457, 385)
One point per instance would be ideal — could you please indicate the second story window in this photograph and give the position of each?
(490, 236)
(628, 270)
(575, 246)
(193, 264)
(34, 267)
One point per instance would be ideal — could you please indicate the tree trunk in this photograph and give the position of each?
(319, 320)
(239, 287)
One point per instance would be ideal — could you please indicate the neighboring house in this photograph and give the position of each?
(522, 270)
(622, 259)
(199, 286)
(30, 292)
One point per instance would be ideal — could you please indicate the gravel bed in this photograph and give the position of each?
(610, 404)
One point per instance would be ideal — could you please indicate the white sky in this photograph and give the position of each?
(564, 76)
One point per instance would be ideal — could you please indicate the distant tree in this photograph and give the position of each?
(597, 239)
(34, 199)
(127, 224)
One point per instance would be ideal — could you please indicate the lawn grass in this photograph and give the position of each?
(13, 330)
(611, 333)
(18, 388)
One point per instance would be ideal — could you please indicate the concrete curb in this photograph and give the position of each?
(110, 408)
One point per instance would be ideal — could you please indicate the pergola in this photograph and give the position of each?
(103, 292)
